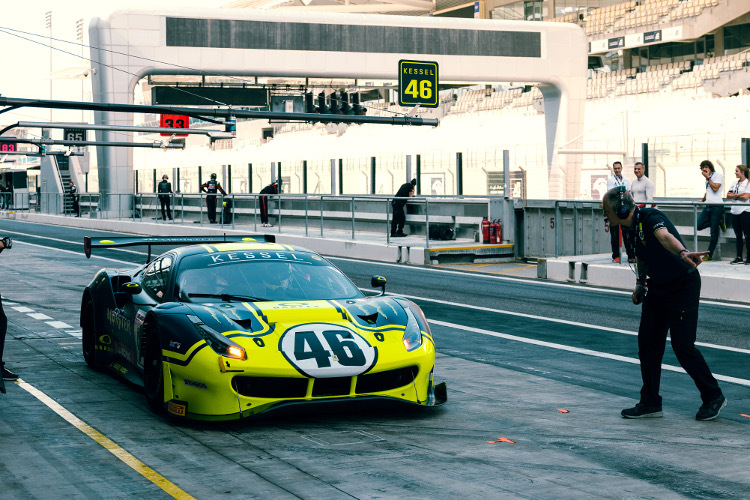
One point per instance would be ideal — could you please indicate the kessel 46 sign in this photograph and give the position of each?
(418, 83)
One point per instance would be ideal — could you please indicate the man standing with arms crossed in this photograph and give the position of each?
(642, 188)
(614, 232)
(669, 285)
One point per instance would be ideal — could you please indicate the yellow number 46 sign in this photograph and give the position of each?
(418, 83)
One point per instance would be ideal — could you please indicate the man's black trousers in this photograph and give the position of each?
(166, 213)
(211, 206)
(399, 218)
(672, 307)
(264, 209)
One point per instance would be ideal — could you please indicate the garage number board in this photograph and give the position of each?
(174, 121)
(418, 83)
(7, 146)
(74, 134)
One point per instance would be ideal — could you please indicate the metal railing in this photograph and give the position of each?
(352, 214)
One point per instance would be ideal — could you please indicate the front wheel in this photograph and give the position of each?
(153, 371)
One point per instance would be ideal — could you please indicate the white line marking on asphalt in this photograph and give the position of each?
(23, 309)
(39, 316)
(562, 321)
(75, 333)
(578, 350)
(67, 241)
(520, 280)
(74, 253)
(58, 324)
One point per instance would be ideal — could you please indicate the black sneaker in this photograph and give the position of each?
(737, 261)
(711, 410)
(9, 375)
(642, 411)
(398, 235)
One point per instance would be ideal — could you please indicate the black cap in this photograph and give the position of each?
(414, 181)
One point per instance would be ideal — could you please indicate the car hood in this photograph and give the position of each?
(257, 317)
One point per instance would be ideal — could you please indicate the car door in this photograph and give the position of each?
(156, 278)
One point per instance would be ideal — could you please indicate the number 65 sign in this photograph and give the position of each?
(418, 83)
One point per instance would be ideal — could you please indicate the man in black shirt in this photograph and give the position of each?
(399, 217)
(668, 284)
(211, 187)
(273, 188)
(74, 199)
(165, 193)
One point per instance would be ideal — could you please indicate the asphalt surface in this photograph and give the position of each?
(537, 374)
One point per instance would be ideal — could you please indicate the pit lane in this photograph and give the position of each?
(524, 419)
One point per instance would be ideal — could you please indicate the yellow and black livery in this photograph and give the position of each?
(226, 329)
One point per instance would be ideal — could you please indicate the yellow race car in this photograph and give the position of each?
(230, 327)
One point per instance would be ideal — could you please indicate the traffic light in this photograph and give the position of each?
(309, 103)
(358, 108)
(346, 108)
(322, 108)
(335, 104)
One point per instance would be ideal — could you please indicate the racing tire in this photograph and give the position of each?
(153, 371)
(88, 334)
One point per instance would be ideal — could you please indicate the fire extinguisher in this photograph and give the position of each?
(498, 231)
(493, 232)
(485, 230)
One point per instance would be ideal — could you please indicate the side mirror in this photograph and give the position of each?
(378, 282)
(132, 288)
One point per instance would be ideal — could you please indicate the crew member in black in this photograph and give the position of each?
(273, 188)
(6, 374)
(74, 199)
(165, 193)
(398, 204)
(211, 187)
(668, 284)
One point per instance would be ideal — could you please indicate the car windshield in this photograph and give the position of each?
(260, 276)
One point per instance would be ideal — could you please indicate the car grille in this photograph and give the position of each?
(287, 387)
(271, 387)
(387, 380)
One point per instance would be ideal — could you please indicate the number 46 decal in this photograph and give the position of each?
(323, 350)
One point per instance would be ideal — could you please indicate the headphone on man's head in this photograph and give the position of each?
(625, 204)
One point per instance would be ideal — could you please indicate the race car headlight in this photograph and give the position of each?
(412, 335)
(218, 342)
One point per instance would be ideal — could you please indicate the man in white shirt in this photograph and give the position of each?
(642, 187)
(713, 214)
(614, 232)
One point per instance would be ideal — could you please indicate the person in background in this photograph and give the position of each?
(399, 217)
(740, 194)
(212, 187)
(165, 193)
(614, 232)
(713, 214)
(668, 284)
(74, 199)
(642, 188)
(2, 192)
(273, 188)
(6, 374)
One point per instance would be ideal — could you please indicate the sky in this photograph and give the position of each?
(28, 60)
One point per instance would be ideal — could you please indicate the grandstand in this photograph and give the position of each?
(686, 96)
